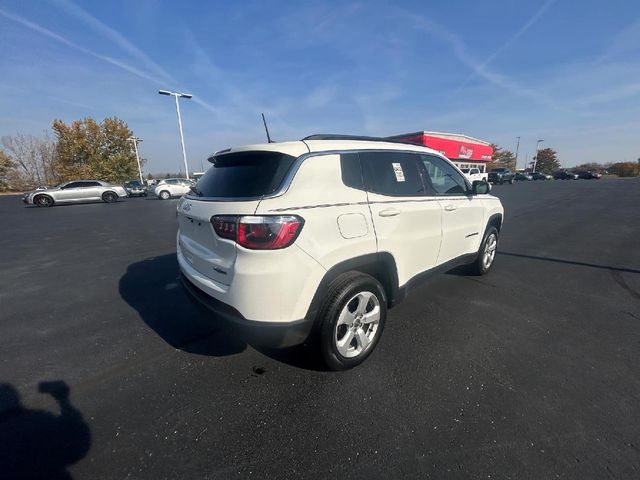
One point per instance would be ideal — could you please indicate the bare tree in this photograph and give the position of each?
(32, 159)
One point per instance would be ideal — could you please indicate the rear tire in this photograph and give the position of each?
(511, 182)
(109, 197)
(351, 320)
(43, 201)
(164, 195)
(486, 253)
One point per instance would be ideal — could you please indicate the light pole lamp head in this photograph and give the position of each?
(164, 92)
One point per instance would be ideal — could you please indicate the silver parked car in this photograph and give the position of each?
(74, 192)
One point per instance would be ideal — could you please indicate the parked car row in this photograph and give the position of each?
(77, 191)
(505, 175)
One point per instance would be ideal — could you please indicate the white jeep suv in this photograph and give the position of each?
(313, 240)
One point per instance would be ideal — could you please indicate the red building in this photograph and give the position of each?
(464, 151)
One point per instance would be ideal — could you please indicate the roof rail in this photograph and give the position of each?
(334, 136)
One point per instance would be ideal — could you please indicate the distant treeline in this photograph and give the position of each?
(82, 149)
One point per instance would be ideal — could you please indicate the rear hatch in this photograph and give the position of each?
(233, 186)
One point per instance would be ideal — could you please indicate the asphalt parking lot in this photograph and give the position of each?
(529, 372)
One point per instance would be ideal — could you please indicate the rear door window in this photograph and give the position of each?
(244, 174)
(391, 173)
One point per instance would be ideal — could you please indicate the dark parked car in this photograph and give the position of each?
(540, 176)
(565, 175)
(135, 189)
(501, 175)
(589, 175)
(523, 177)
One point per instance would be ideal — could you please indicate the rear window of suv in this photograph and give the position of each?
(244, 174)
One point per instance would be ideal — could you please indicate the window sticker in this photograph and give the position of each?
(397, 169)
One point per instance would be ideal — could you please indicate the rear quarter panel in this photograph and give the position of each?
(337, 218)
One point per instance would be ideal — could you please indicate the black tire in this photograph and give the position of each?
(480, 266)
(43, 201)
(109, 197)
(511, 182)
(164, 195)
(341, 295)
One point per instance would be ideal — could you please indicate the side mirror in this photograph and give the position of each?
(480, 187)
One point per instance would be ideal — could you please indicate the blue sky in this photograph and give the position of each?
(566, 71)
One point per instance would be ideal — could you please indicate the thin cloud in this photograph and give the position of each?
(460, 51)
(117, 38)
(534, 18)
(625, 41)
(122, 65)
(48, 33)
(617, 93)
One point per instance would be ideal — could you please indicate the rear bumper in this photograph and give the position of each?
(268, 334)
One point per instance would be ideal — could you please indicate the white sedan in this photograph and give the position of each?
(173, 187)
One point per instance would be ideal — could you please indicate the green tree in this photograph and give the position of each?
(547, 161)
(6, 165)
(88, 149)
(625, 169)
(590, 167)
(502, 158)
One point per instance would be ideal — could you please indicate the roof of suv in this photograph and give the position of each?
(300, 147)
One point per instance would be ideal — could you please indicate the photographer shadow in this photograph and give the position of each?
(38, 444)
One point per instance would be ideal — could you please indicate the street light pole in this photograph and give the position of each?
(135, 141)
(535, 162)
(177, 95)
(517, 148)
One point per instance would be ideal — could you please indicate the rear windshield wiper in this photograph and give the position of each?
(196, 191)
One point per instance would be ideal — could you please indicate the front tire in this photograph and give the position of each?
(351, 320)
(164, 195)
(109, 197)
(486, 253)
(43, 201)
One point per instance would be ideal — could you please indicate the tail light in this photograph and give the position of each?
(259, 232)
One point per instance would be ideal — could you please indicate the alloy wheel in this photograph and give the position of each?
(357, 324)
(489, 253)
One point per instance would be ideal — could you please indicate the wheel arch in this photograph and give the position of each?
(495, 220)
(381, 266)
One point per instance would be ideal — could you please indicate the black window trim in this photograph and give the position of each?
(293, 170)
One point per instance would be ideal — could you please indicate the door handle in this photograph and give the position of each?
(389, 212)
(450, 208)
